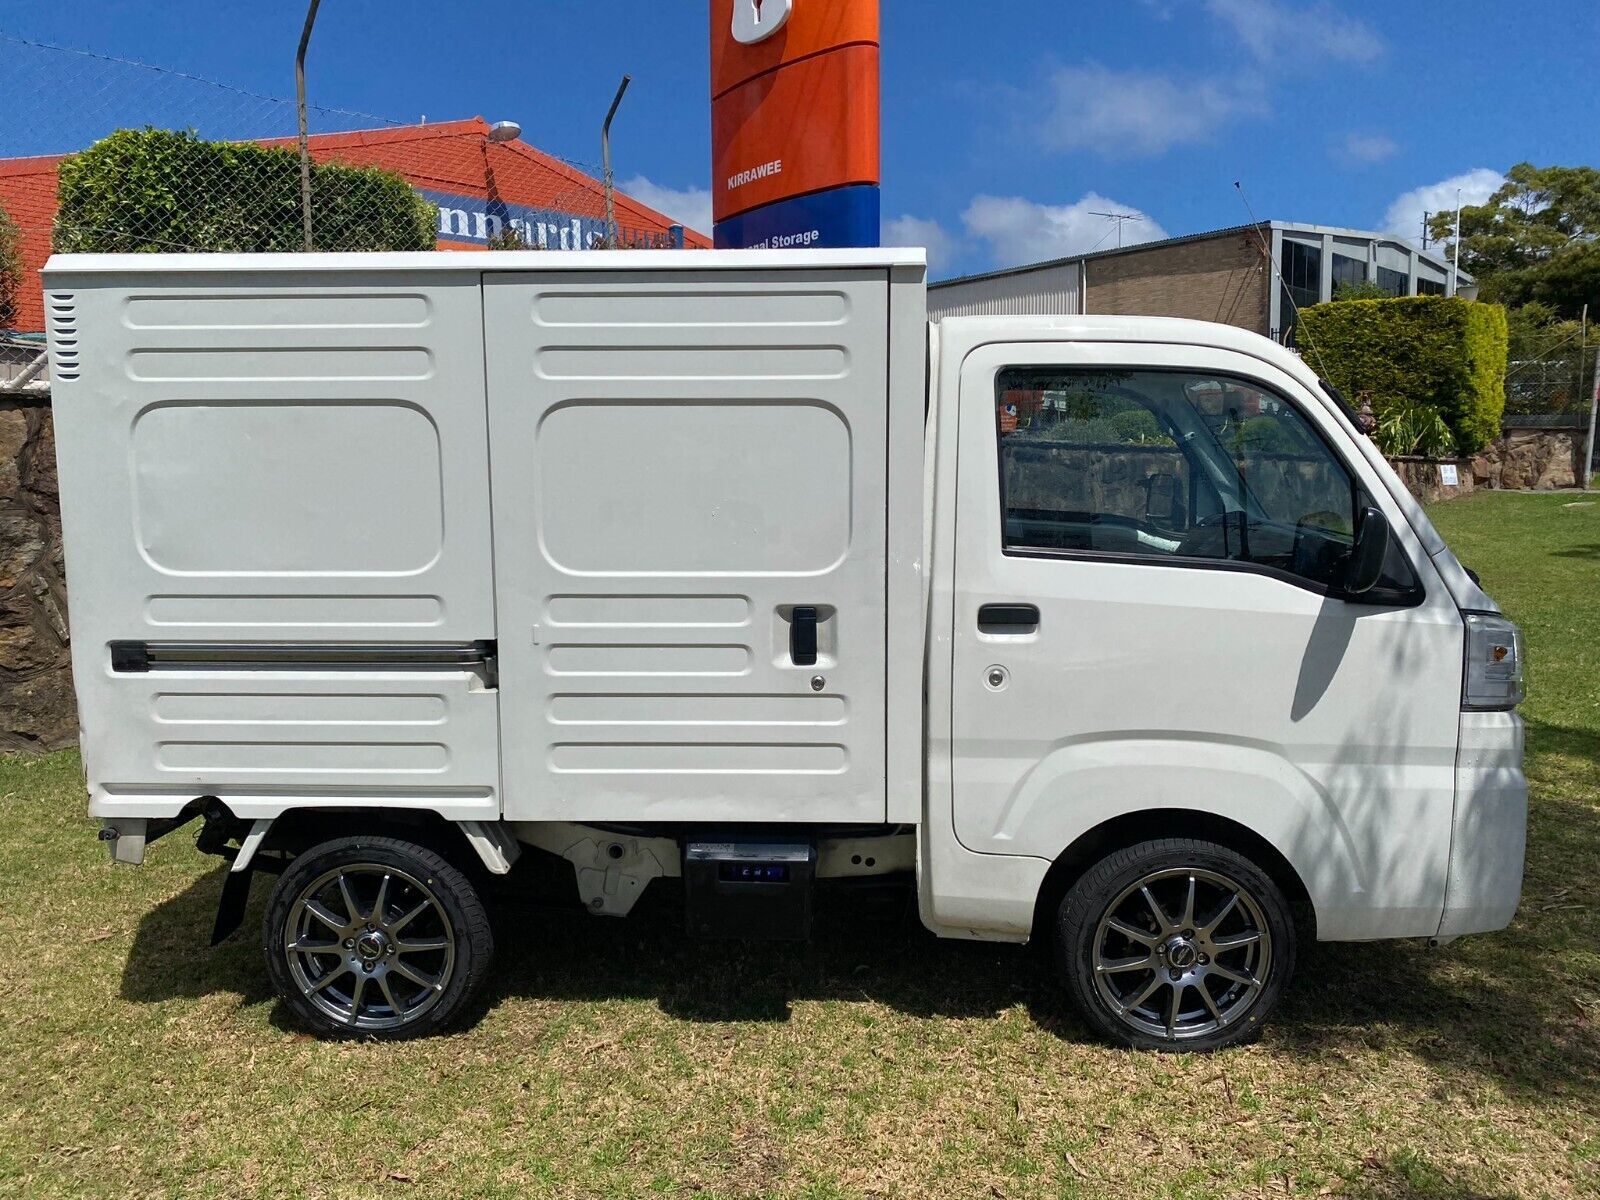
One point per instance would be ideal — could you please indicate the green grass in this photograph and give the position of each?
(617, 1059)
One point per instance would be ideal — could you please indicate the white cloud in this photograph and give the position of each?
(1405, 214)
(690, 205)
(941, 244)
(1365, 148)
(1125, 113)
(1019, 230)
(1271, 31)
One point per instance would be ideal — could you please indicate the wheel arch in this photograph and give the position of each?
(1130, 828)
(470, 846)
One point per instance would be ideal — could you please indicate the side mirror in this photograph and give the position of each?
(1365, 566)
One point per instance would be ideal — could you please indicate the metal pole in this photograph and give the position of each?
(300, 103)
(26, 376)
(1586, 470)
(1455, 253)
(605, 158)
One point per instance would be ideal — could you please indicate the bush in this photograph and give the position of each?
(10, 270)
(1263, 435)
(1440, 353)
(1139, 427)
(1412, 429)
(158, 189)
(1364, 289)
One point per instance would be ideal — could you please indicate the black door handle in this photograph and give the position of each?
(1008, 618)
(803, 635)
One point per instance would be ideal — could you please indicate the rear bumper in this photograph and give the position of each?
(1490, 827)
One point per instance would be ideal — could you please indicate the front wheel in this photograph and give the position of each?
(1176, 945)
(375, 937)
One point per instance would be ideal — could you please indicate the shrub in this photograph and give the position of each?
(1440, 353)
(1139, 427)
(1364, 289)
(1263, 435)
(1413, 429)
(10, 270)
(158, 189)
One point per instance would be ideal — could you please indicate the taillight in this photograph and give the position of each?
(1493, 678)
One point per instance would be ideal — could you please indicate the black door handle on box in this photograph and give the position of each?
(803, 635)
(1008, 618)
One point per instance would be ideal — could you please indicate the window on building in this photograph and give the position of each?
(1396, 283)
(1301, 266)
(1302, 272)
(1429, 287)
(1347, 271)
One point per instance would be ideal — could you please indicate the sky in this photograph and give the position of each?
(1007, 124)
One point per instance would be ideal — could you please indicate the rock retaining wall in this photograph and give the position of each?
(37, 707)
(1540, 460)
(1536, 459)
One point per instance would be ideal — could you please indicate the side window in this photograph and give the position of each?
(1168, 464)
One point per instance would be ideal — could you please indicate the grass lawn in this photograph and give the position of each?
(618, 1059)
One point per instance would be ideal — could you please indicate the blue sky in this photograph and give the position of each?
(1004, 122)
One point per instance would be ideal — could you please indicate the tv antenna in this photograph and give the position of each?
(1119, 218)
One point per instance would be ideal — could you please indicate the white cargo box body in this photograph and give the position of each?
(311, 503)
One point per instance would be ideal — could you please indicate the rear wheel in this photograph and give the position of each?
(375, 937)
(1176, 945)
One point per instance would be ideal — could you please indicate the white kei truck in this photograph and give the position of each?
(725, 568)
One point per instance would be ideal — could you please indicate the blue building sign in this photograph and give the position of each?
(846, 216)
(477, 221)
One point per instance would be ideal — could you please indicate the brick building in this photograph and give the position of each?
(1226, 275)
(482, 188)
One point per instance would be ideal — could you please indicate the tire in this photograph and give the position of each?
(1193, 971)
(346, 968)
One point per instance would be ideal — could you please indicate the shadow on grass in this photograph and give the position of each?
(1410, 1176)
(1501, 1008)
(1590, 551)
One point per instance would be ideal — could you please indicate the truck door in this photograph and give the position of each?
(1146, 616)
(689, 530)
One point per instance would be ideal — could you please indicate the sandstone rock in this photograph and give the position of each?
(39, 467)
(40, 712)
(1556, 471)
(22, 544)
(13, 440)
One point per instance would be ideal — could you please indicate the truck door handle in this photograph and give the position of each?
(1008, 618)
(803, 635)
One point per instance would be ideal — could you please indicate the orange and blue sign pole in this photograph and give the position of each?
(794, 123)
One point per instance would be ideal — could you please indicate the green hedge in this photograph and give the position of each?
(159, 189)
(10, 270)
(1442, 353)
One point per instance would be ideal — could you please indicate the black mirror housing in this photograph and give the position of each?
(1364, 567)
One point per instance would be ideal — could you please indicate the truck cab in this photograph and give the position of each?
(724, 572)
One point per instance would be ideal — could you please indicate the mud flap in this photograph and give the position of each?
(231, 905)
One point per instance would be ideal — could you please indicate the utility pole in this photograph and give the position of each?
(1119, 218)
(605, 157)
(1455, 250)
(300, 104)
(1425, 215)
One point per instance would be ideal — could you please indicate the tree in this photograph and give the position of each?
(159, 189)
(1365, 289)
(1535, 240)
(10, 270)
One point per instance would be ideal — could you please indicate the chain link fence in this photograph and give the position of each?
(1553, 387)
(102, 154)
